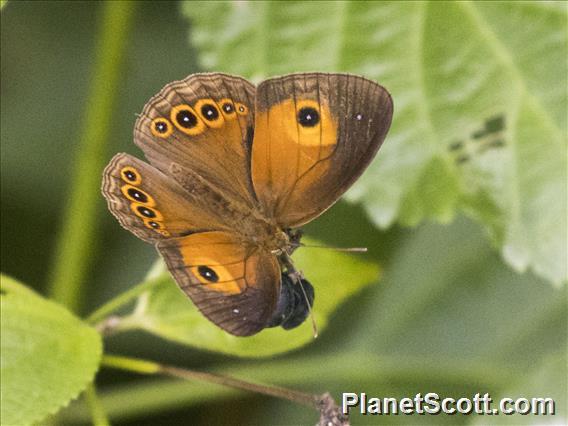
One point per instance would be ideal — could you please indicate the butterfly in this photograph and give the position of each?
(233, 171)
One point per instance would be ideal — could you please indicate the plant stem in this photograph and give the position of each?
(98, 414)
(135, 365)
(278, 392)
(75, 242)
(149, 367)
(123, 298)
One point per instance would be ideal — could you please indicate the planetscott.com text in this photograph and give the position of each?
(432, 403)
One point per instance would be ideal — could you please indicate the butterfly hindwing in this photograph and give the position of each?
(205, 124)
(315, 134)
(233, 285)
(150, 204)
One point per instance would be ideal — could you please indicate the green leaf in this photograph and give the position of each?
(167, 312)
(48, 355)
(480, 104)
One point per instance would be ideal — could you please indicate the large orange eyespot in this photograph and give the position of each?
(137, 195)
(208, 274)
(307, 113)
(242, 109)
(209, 112)
(228, 108)
(131, 175)
(186, 120)
(161, 127)
(145, 212)
(308, 116)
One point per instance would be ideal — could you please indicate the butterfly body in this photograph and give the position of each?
(233, 171)
(249, 223)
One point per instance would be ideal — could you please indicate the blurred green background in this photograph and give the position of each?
(448, 316)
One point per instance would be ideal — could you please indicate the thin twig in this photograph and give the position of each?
(306, 399)
(330, 414)
(151, 367)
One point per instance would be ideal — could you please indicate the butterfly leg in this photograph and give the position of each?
(294, 237)
(290, 269)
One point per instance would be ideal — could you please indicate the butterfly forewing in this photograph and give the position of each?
(314, 136)
(205, 124)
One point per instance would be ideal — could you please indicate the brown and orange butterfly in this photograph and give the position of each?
(233, 170)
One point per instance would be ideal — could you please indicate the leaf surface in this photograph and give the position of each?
(480, 100)
(48, 355)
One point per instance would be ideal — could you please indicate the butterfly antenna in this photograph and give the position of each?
(310, 313)
(347, 249)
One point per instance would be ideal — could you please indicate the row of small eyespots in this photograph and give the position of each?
(142, 203)
(194, 120)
